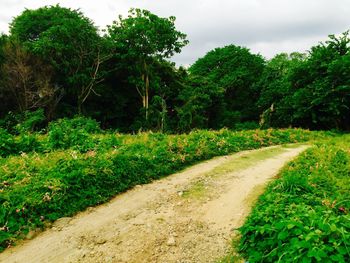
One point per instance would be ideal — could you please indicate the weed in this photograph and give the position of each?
(304, 215)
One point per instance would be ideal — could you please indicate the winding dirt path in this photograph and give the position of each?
(186, 217)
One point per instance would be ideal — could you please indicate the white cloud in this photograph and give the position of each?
(265, 26)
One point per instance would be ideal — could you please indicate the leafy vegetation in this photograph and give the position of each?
(304, 214)
(309, 90)
(235, 71)
(55, 59)
(41, 187)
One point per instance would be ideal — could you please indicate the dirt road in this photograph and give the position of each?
(186, 217)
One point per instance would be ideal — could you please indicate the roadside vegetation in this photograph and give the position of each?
(50, 181)
(304, 214)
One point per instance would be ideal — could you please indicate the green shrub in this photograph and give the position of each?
(28, 142)
(72, 133)
(28, 121)
(9, 122)
(304, 215)
(7, 143)
(248, 125)
(25, 143)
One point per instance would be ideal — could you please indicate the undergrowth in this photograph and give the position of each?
(304, 215)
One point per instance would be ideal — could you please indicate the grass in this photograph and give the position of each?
(198, 190)
(303, 216)
(245, 160)
(201, 188)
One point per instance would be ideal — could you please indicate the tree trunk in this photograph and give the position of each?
(146, 96)
(144, 93)
(80, 105)
(163, 116)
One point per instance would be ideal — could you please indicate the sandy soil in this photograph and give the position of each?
(187, 217)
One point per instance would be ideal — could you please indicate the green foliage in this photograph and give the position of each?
(322, 97)
(143, 34)
(199, 99)
(248, 125)
(142, 41)
(72, 133)
(304, 215)
(27, 143)
(29, 121)
(7, 143)
(235, 70)
(25, 122)
(36, 188)
(10, 121)
(274, 101)
(54, 58)
(310, 91)
(68, 41)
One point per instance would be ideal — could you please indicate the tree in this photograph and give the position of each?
(321, 86)
(5, 105)
(144, 38)
(274, 102)
(168, 82)
(199, 100)
(26, 78)
(310, 91)
(69, 42)
(235, 70)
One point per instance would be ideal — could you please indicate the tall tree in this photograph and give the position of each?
(235, 70)
(6, 102)
(26, 78)
(68, 41)
(275, 84)
(143, 38)
(200, 102)
(321, 85)
(168, 82)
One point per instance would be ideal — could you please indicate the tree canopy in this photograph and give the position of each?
(236, 71)
(311, 91)
(67, 40)
(56, 61)
(145, 38)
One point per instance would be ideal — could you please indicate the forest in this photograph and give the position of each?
(55, 63)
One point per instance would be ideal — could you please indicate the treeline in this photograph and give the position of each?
(55, 63)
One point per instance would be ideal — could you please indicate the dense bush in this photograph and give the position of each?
(18, 123)
(68, 133)
(37, 187)
(29, 142)
(84, 134)
(62, 134)
(7, 143)
(304, 215)
(249, 125)
(30, 121)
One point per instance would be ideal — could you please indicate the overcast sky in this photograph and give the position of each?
(267, 27)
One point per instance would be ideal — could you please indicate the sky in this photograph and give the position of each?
(267, 27)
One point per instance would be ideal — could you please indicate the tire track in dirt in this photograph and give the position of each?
(186, 217)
